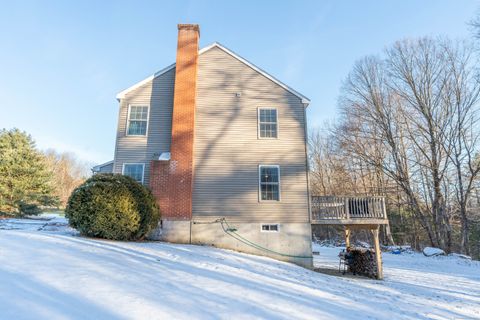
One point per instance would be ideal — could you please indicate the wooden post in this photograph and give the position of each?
(378, 253)
(346, 209)
(384, 209)
(347, 237)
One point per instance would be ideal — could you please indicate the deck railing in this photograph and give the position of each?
(348, 208)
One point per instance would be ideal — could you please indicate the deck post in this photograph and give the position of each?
(384, 209)
(346, 209)
(378, 253)
(347, 237)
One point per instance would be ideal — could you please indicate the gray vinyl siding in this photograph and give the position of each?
(108, 168)
(158, 95)
(228, 151)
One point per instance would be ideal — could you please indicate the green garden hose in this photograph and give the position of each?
(233, 233)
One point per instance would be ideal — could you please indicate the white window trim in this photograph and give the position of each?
(270, 224)
(260, 183)
(258, 123)
(135, 163)
(128, 120)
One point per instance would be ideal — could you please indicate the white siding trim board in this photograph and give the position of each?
(123, 93)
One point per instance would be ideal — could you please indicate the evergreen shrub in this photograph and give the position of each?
(112, 206)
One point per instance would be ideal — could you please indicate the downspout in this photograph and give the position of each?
(307, 167)
(120, 102)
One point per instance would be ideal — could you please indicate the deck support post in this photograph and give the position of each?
(347, 237)
(378, 253)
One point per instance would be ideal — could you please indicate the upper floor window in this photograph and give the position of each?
(137, 122)
(269, 183)
(134, 171)
(267, 123)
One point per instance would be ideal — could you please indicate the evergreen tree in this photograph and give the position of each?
(25, 181)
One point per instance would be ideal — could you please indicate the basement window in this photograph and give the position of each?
(267, 123)
(270, 228)
(137, 123)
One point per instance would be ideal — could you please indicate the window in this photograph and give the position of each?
(134, 171)
(270, 228)
(269, 183)
(137, 123)
(267, 123)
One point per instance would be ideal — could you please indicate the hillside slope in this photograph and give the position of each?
(57, 275)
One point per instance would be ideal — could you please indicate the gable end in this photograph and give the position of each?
(304, 99)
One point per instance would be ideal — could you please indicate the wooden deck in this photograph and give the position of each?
(352, 213)
(331, 210)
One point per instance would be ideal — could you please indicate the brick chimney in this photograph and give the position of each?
(172, 181)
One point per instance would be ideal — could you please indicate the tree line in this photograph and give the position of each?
(31, 179)
(409, 130)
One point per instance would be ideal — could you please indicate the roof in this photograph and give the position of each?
(97, 167)
(304, 99)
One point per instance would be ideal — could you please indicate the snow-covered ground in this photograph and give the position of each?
(54, 274)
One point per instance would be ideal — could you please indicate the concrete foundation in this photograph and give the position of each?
(172, 231)
(294, 239)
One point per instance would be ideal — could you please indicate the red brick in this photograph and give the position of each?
(172, 181)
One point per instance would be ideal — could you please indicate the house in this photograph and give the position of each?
(218, 140)
(103, 168)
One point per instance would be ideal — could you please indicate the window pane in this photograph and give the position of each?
(137, 127)
(270, 115)
(135, 171)
(268, 123)
(269, 174)
(273, 115)
(137, 124)
(138, 113)
(273, 130)
(268, 130)
(274, 192)
(264, 192)
(269, 183)
(263, 130)
(263, 115)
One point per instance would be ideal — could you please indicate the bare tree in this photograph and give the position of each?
(463, 98)
(409, 129)
(373, 128)
(68, 173)
(411, 117)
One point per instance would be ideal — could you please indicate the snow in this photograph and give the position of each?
(431, 252)
(56, 274)
(44, 222)
(462, 256)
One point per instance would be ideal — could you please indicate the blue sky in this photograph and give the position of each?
(62, 62)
